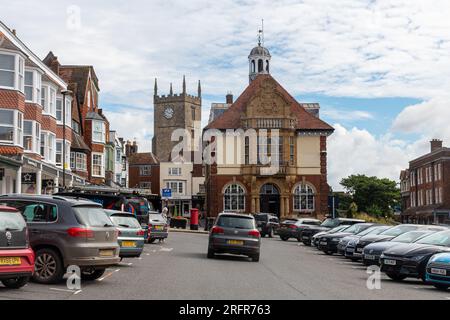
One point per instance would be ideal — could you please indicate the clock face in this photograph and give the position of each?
(168, 112)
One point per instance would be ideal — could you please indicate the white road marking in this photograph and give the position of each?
(64, 290)
(107, 275)
(166, 249)
(77, 292)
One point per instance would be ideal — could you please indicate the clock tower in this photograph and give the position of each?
(171, 112)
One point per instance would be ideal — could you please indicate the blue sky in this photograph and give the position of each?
(380, 69)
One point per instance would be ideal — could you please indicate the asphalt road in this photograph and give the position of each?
(179, 269)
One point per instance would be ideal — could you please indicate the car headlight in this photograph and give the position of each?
(382, 256)
(335, 239)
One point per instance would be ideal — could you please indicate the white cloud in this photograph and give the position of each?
(356, 151)
(349, 48)
(346, 115)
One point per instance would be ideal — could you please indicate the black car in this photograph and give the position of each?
(328, 243)
(267, 224)
(328, 224)
(346, 246)
(372, 252)
(410, 259)
(292, 229)
(391, 233)
(316, 238)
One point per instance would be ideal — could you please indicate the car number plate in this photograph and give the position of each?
(441, 272)
(106, 253)
(369, 257)
(305, 237)
(350, 250)
(323, 242)
(360, 250)
(390, 262)
(129, 244)
(158, 227)
(10, 261)
(236, 242)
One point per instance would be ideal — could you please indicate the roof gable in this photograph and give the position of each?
(231, 118)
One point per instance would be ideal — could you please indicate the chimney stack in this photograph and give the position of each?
(14, 32)
(229, 98)
(435, 144)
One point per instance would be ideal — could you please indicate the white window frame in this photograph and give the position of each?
(59, 109)
(31, 136)
(102, 132)
(17, 127)
(60, 153)
(175, 171)
(234, 198)
(145, 170)
(18, 72)
(299, 194)
(179, 185)
(102, 164)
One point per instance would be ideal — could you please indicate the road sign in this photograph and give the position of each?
(167, 193)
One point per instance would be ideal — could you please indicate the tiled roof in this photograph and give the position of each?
(78, 75)
(231, 118)
(7, 150)
(143, 158)
(78, 142)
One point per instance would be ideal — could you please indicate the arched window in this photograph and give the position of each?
(253, 66)
(234, 198)
(260, 65)
(267, 65)
(304, 198)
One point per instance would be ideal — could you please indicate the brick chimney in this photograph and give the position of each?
(435, 144)
(229, 98)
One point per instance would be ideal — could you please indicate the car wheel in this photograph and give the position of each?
(395, 276)
(48, 267)
(307, 243)
(271, 233)
(284, 238)
(91, 274)
(255, 257)
(15, 283)
(151, 240)
(328, 253)
(210, 254)
(440, 286)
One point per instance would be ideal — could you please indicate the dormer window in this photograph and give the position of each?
(98, 131)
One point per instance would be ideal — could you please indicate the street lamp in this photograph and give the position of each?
(64, 93)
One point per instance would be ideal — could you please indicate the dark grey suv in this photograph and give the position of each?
(235, 233)
(66, 231)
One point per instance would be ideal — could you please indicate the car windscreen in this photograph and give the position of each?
(261, 217)
(398, 230)
(355, 228)
(155, 218)
(371, 230)
(309, 222)
(330, 223)
(92, 217)
(439, 239)
(125, 222)
(339, 228)
(411, 236)
(11, 221)
(237, 222)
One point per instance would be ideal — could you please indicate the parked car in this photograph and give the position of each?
(327, 224)
(316, 238)
(267, 224)
(64, 232)
(347, 245)
(410, 259)
(372, 252)
(292, 229)
(391, 233)
(236, 234)
(438, 271)
(131, 235)
(157, 227)
(16, 256)
(328, 243)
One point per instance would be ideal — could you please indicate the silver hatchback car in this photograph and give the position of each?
(236, 234)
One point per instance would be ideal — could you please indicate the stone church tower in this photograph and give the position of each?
(172, 112)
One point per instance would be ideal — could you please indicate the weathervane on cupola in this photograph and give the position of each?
(259, 58)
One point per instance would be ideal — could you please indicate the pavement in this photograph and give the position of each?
(179, 269)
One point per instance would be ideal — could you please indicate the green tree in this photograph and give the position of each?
(373, 195)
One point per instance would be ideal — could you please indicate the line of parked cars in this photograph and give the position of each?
(401, 251)
(40, 236)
